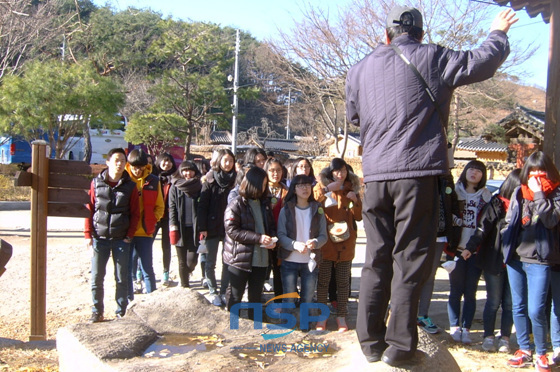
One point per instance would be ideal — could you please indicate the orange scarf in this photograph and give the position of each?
(546, 184)
(505, 202)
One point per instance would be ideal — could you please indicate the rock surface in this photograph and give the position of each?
(117, 345)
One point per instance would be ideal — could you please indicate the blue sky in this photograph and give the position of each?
(262, 18)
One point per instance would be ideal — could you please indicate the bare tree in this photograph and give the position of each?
(25, 29)
(316, 54)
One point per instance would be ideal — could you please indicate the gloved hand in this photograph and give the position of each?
(174, 235)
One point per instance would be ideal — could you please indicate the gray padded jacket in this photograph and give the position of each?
(400, 128)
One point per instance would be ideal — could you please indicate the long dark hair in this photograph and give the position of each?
(476, 164)
(292, 172)
(300, 179)
(271, 161)
(251, 154)
(337, 164)
(510, 183)
(221, 153)
(159, 159)
(539, 161)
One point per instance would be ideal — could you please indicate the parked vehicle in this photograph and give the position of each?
(103, 140)
(14, 150)
(494, 186)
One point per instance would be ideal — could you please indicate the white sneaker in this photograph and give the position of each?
(488, 344)
(204, 283)
(267, 287)
(455, 333)
(466, 337)
(503, 346)
(556, 356)
(216, 300)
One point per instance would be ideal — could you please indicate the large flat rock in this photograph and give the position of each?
(117, 345)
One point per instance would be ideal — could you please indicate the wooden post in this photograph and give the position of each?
(39, 200)
(552, 118)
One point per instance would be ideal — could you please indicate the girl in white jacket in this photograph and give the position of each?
(463, 280)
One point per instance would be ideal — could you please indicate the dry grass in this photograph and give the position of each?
(9, 192)
(26, 356)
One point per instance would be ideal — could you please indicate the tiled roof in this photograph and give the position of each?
(355, 137)
(281, 145)
(220, 137)
(524, 118)
(480, 144)
(533, 7)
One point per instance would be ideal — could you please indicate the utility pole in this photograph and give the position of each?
(235, 87)
(288, 118)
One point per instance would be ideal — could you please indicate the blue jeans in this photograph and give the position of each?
(290, 272)
(463, 283)
(141, 248)
(555, 311)
(497, 293)
(529, 285)
(102, 250)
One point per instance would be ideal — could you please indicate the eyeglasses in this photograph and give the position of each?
(303, 186)
(304, 166)
(272, 170)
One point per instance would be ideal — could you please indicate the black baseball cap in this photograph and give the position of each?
(396, 17)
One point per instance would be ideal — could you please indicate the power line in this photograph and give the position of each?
(486, 2)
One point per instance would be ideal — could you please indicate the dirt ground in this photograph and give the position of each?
(69, 297)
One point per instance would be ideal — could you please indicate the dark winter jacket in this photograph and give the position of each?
(287, 229)
(211, 207)
(546, 243)
(241, 237)
(449, 206)
(400, 128)
(487, 238)
(178, 213)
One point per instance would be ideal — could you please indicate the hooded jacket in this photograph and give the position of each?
(343, 210)
(470, 207)
(152, 207)
(400, 128)
(545, 248)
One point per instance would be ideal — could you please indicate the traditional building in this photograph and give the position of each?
(353, 147)
(481, 149)
(525, 132)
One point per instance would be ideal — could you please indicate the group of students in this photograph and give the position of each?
(275, 219)
(513, 238)
(269, 217)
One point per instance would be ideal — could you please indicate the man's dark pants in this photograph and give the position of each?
(102, 250)
(400, 221)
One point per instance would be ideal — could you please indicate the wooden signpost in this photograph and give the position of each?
(58, 188)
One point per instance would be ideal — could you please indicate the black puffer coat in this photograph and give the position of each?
(241, 237)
